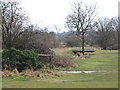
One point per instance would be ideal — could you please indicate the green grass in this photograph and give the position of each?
(93, 80)
(100, 60)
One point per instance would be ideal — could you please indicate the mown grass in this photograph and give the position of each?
(99, 60)
(104, 60)
(93, 80)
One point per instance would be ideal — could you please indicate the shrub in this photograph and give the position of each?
(19, 59)
(63, 62)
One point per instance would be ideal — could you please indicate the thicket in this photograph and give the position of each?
(20, 59)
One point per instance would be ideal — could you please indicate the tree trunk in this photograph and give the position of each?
(83, 44)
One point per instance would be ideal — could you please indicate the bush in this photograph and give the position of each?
(19, 59)
(63, 62)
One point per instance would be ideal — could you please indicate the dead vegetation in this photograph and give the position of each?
(30, 73)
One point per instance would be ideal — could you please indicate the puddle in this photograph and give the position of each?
(88, 78)
(81, 71)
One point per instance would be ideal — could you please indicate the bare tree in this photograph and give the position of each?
(81, 19)
(107, 33)
(13, 20)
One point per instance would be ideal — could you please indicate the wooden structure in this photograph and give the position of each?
(80, 51)
(45, 58)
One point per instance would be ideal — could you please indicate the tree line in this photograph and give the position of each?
(82, 25)
(19, 36)
(104, 35)
(18, 33)
(102, 32)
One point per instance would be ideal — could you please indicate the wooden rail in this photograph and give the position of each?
(50, 57)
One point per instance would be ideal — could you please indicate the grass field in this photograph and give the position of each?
(100, 60)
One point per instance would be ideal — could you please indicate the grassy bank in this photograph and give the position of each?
(100, 60)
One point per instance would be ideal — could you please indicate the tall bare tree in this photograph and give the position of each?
(81, 19)
(106, 35)
(13, 20)
(104, 31)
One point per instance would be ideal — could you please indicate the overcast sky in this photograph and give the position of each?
(47, 13)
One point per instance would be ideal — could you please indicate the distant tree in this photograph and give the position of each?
(107, 35)
(35, 38)
(17, 34)
(13, 20)
(54, 41)
(116, 31)
(72, 40)
(91, 38)
(81, 20)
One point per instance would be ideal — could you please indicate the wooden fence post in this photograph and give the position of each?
(51, 62)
